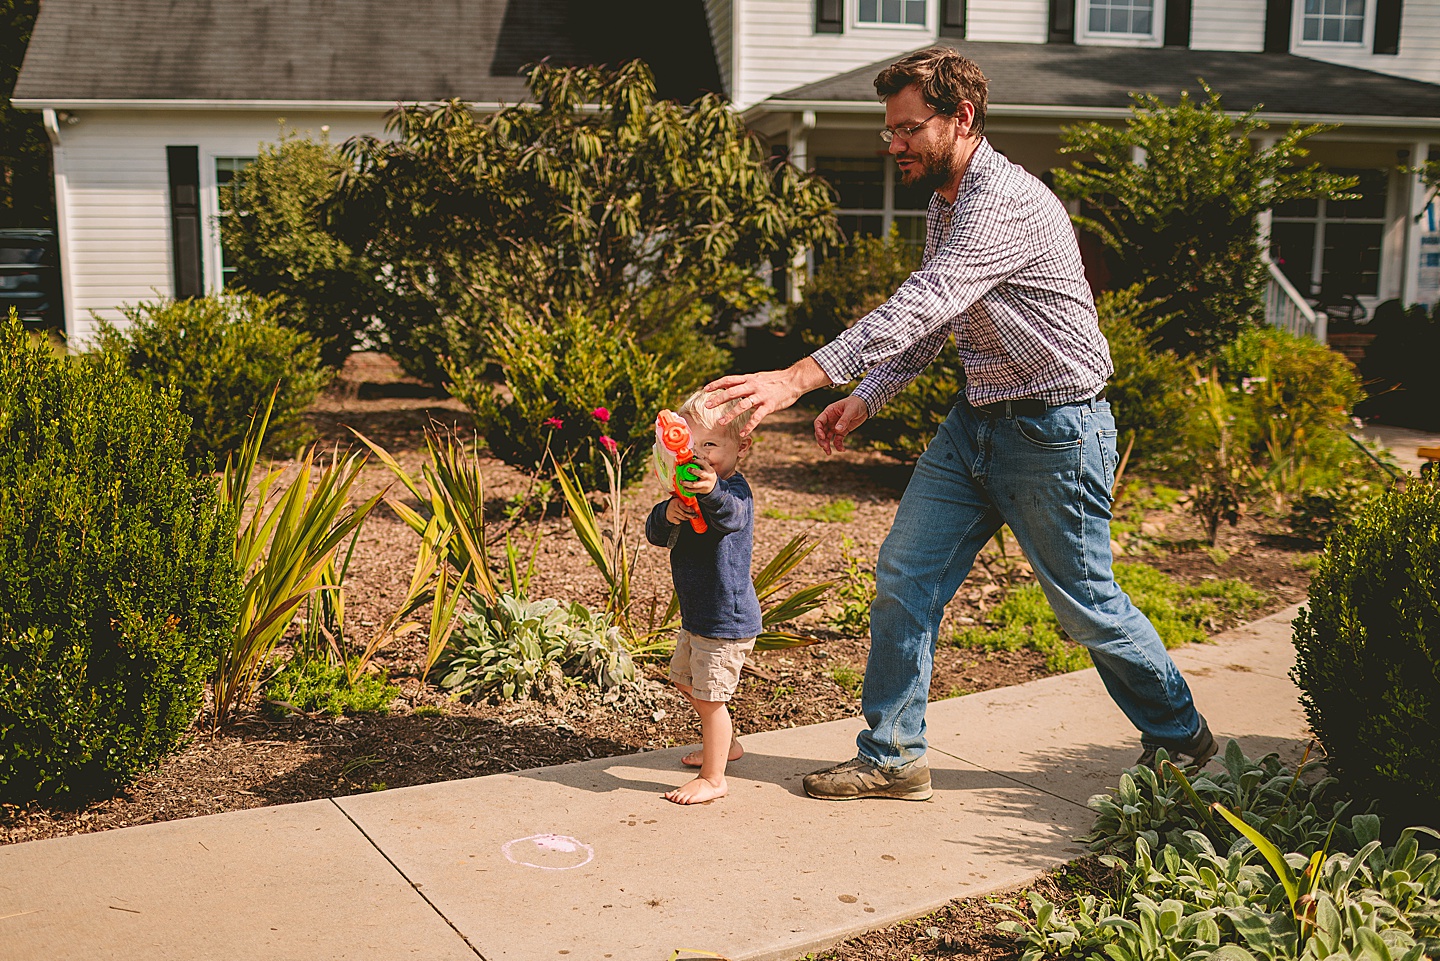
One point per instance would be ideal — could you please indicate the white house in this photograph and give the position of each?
(151, 106)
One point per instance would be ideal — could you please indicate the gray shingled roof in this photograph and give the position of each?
(1092, 76)
(350, 50)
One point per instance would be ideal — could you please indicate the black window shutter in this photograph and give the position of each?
(1277, 25)
(1387, 26)
(1177, 23)
(184, 165)
(1062, 21)
(829, 16)
(952, 18)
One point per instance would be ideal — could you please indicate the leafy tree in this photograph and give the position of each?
(26, 190)
(1182, 221)
(597, 196)
(283, 248)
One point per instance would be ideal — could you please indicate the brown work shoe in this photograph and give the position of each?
(1201, 749)
(858, 778)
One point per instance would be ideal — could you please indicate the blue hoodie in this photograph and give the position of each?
(712, 570)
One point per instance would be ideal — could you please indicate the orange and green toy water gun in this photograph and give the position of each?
(675, 462)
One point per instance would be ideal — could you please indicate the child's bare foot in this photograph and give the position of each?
(693, 759)
(698, 791)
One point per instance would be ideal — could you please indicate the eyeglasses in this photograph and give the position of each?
(905, 133)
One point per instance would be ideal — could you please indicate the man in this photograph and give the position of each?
(1031, 444)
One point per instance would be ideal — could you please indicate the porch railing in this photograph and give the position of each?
(1286, 309)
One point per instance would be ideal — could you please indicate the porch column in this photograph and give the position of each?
(62, 226)
(1262, 222)
(800, 127)
(1410, 263)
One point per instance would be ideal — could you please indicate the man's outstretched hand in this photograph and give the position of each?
(839, 420)
(766, 392)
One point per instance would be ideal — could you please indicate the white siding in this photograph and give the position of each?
(115, 197)
(1008, 21)
(718, 15)
(1419, 57)
(1228, 25)
(779, 48)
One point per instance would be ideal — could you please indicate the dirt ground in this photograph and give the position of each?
(259, 761)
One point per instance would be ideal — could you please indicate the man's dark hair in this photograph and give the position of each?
(945, 79)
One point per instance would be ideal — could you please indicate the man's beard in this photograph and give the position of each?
(935, 169)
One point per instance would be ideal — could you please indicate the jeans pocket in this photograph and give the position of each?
(1059, 428)
(1108, 456)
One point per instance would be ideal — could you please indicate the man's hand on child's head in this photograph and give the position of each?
(704, 481)
(676, 512)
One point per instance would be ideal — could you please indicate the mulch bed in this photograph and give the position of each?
(259, 761)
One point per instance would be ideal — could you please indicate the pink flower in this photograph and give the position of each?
(554, 423)
(601, 414)
(609, 443)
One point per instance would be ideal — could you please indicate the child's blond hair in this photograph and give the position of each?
(695, 412)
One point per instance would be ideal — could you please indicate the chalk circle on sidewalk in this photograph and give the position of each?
(548, 852)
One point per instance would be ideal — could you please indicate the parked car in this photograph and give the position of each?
(30, 277)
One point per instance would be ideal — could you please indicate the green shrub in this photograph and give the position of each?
(517, 649)
(850, 282)
(1368, 651)
(563, 369)
(315, 685)
(1147, 390)
(223, 356)
(118, 580)
(280, 245)
(1399, 367)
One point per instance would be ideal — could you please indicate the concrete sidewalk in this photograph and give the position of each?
(587, 861)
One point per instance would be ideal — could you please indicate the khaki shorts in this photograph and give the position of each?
(709, 666)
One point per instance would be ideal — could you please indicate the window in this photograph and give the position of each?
(907, 13)
(829, 16)
(871, 198)
(227, 169)
(1125, 17)
(1334, 21)
(1332, 247)
(1138, 23)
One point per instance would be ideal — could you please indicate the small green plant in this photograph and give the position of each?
(517, 649)
(314, 686)
(1180, 613)
(856, 592)
(840, 511)
(224, 356)
(429, 710)
(848, 679)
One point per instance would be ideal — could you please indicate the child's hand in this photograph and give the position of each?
(705, 478)
(676, 512)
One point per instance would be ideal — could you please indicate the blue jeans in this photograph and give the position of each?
(1048, 477)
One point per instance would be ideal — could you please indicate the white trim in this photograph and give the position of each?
(349, 106)
(62, 223)
(1413, 214)
(1090, 113)
(1297, 32)
(1083, 36)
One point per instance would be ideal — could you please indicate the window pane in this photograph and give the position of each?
(915, 12)
(1330, 30)
(1355, 8)
(863, 225)
(1372, 190)
(1099, 21)
(890, 11)
(1352, 259)
(1297, 208)
(1312, 7)
(1140, 22)
(911, 230)
(869, 11)
(1332, 7)
(1354, 31)
(1312, 28)
(1292, 246)
(858, 181)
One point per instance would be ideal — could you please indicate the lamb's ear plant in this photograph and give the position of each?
(284, 550)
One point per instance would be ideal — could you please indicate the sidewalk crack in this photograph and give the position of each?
(1009, 777)
(413, 886)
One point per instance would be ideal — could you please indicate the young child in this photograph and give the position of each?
(719, 613)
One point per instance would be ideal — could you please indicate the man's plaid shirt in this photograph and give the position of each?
(1002, 274)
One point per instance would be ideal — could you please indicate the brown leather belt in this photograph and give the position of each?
(1028, 406)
